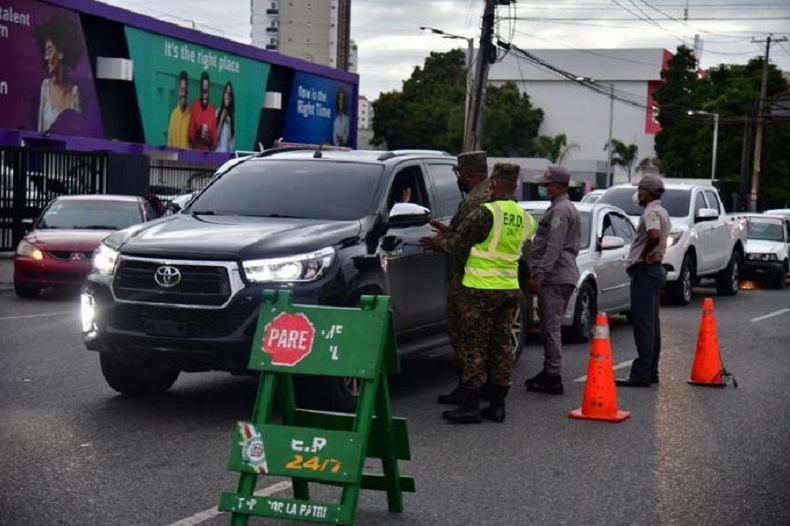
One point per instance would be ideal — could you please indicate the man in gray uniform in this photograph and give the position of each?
(554, 274)
(648, 276)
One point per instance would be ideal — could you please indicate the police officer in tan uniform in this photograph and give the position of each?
(554, 274)
(472, 172)
(648, 276)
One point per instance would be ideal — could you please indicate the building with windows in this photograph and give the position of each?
(314, 30)
(584, 92)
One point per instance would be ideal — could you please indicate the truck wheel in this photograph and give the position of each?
(327, 393)
(779, 282)
(136, 379)
(679, 292)
(728, 281)
(26, 291)
(583, 315)
(518, 334)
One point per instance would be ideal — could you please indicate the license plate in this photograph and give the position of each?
(165, 328)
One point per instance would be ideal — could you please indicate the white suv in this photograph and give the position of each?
(703, 242)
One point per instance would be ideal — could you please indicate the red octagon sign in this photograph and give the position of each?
(288, 338)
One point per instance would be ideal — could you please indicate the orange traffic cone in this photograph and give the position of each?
(600, 398)
(707, 369)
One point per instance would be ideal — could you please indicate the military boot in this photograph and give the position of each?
(454, 397)
(496, 409)
(468, 412)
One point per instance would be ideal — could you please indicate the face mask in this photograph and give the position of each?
(461, 185)
(635, 199)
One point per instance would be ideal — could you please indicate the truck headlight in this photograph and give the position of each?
(674, 237)
(29, 250)
(104, 260)
(762, 257)
(302, 267)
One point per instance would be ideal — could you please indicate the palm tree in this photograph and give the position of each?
(556, 149)
(624, 155)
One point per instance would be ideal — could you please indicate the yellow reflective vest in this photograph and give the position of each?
(493, 264)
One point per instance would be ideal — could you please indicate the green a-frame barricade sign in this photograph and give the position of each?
(314, 446)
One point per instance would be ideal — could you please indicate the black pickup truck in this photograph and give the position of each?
(182, 293)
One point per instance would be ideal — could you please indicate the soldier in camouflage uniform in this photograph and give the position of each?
(490, 241)
(473, 180)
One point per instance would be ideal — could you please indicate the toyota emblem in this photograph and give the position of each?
(167, 276)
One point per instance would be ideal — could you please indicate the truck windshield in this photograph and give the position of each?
(676, 201)
(311, 189)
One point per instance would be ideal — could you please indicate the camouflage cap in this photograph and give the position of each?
(653, 184)
(506, 172)
(477, 161)
(554, 174)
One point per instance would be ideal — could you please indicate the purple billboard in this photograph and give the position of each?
(46, 83)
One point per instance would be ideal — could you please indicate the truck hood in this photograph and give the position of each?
(231, 237)
(760, 246)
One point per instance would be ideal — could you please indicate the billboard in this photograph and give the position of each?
(46, 81)
(319, 111)
(195, 97)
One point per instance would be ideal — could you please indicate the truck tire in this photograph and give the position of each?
(325, 393)
(518, 335)
(728, 281)
(679, 292)
(26, 291)
(583, 315)
(136, 379)
(779, 282)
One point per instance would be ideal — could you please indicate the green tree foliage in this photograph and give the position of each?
(624, 155)
(429, 112)
(554, 148)
(684, 144)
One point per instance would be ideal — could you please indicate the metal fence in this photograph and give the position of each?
(30, 179)
(168, 178)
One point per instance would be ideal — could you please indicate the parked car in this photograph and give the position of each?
(592, 196)
(778, 212)
(58, 249)
(767, 248)
(703, 241)
(183, 294)
(604, 285)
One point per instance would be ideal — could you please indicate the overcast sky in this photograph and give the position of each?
(391, 44)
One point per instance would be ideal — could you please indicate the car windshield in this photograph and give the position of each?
(585, 220)
(762, 230)
(311, 189)
(675, 201)
(90, 214)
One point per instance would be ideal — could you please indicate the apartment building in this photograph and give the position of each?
(314, 30)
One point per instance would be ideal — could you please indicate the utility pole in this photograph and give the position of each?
(758, 136)
(609, 174)
(474, 131)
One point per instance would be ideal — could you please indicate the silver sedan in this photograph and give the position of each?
(603, 284)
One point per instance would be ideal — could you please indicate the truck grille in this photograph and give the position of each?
(200, 285)
(197, 323)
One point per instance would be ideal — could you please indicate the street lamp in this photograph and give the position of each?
(470, 74)
(715, 138)
(609, 174)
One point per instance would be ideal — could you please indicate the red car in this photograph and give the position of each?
(58, 249)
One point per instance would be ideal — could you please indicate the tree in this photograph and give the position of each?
(429, 112)
(554, 148)
(624, 155)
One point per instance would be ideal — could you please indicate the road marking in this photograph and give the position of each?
(771, 315)
(209, 514)
(621, 365)
(36, 315)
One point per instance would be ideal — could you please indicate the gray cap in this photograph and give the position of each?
(506, 172)
(653, 184)
(477, 161)
(554, 174)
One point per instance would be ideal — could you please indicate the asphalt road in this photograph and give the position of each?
(75, 453)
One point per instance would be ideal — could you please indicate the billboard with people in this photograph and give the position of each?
(46, 81)
(320, 111)
(195, 97)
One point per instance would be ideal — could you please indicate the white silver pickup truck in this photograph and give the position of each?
(703, 242)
